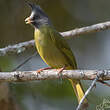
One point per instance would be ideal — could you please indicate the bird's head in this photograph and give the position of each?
(37, 17)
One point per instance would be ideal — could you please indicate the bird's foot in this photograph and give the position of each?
(60, 71)
(39, 70)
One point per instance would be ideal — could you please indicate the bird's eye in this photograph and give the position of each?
(35, 17)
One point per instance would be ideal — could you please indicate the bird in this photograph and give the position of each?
(53, 48)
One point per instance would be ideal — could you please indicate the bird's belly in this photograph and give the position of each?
(52, 55)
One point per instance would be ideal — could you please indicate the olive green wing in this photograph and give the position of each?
(63, 46)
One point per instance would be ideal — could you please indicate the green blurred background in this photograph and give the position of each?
(91, 51)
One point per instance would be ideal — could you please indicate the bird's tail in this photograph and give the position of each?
(79, 92)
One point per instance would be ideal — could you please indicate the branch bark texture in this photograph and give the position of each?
(53, 74)
(18, 48)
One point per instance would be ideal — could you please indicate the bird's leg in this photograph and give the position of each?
(39, 70)
(60, 70)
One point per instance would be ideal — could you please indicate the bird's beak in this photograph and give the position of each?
(28, 20)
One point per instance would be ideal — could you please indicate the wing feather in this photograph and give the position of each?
(63, 46)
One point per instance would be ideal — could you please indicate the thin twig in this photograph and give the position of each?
(105, 83)
(20, 47)
(25, 61)
(99, 75)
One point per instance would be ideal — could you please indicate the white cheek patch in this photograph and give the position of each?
(32, 14)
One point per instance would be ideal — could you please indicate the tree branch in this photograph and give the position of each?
(89, 29)
(53, 74)
(18, 48)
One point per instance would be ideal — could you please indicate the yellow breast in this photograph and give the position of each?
(47, 50)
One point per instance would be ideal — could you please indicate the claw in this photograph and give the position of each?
(60, 70)
(39, 70)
